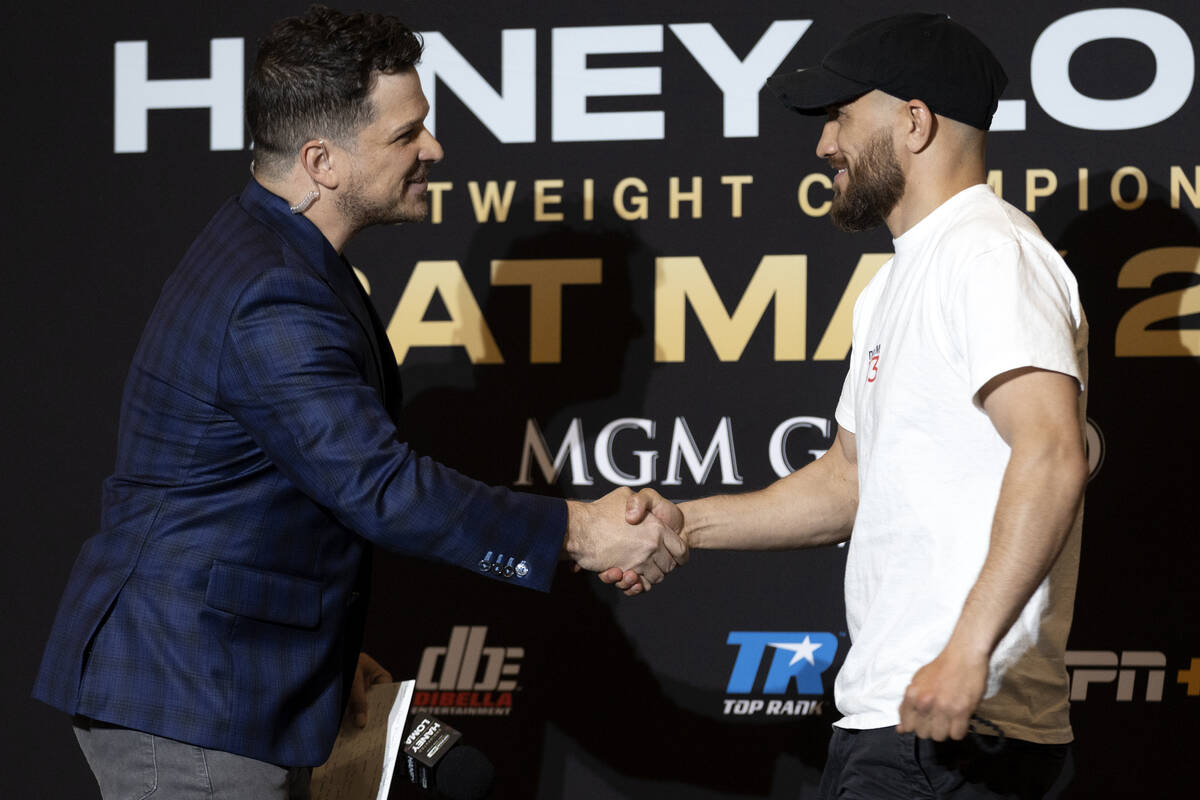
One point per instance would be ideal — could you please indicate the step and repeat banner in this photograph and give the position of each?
(627, 279)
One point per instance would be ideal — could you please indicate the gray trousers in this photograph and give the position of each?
(131, 765)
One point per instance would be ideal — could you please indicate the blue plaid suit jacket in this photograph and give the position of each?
(222, 601)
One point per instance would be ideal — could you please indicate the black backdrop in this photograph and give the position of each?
(584, 693)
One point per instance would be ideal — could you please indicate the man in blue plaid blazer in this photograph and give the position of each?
(221, 606)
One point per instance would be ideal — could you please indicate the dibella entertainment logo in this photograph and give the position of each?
(465, 677)
(798, 660)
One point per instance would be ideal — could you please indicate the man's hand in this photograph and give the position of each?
(645, 504)
(599, 537)
(368, 673)
(943, 695)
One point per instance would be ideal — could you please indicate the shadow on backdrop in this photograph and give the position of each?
(590, 717)
(1138, 271)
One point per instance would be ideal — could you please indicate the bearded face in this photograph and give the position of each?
(874, 185)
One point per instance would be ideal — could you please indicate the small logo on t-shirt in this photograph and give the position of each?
(873, 363)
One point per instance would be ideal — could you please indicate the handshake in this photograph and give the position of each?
(632, 540)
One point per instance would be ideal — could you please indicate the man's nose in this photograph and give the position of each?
(431, 149)
(827, 144)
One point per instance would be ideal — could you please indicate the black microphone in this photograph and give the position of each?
(436, 761)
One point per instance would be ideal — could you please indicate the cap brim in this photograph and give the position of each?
(811, 91)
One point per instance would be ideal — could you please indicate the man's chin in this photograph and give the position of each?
(409, 213)
(416, 210)
(853, 221)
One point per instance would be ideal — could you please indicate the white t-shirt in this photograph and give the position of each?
(974, 290)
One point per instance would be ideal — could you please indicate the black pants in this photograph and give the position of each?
(881, 763)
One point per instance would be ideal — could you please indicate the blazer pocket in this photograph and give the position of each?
(264, 595)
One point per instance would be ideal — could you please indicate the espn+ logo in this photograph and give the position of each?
(797, 659)
(1089, 667)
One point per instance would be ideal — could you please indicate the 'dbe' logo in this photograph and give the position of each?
(465, 677)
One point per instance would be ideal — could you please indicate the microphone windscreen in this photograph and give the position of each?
(464, 773)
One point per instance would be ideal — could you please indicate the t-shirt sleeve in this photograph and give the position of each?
(863, 308)
(1015, 307)
(845, 407)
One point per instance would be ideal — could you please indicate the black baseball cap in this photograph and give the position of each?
(927, 57)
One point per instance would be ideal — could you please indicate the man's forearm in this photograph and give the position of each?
(811, 507)
(1039, 498)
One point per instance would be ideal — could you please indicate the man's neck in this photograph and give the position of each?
(322, 213)
(921, 198)
(954, 160)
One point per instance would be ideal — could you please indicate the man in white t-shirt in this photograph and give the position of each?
(958, 469)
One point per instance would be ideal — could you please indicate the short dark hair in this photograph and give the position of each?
(313, 75)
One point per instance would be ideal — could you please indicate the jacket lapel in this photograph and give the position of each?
(314, 248)
(389, 372)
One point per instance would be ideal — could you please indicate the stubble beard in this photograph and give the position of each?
(874, 185)
(363, 213)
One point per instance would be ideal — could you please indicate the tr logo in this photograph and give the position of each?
(460, 660)
(799, 657)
